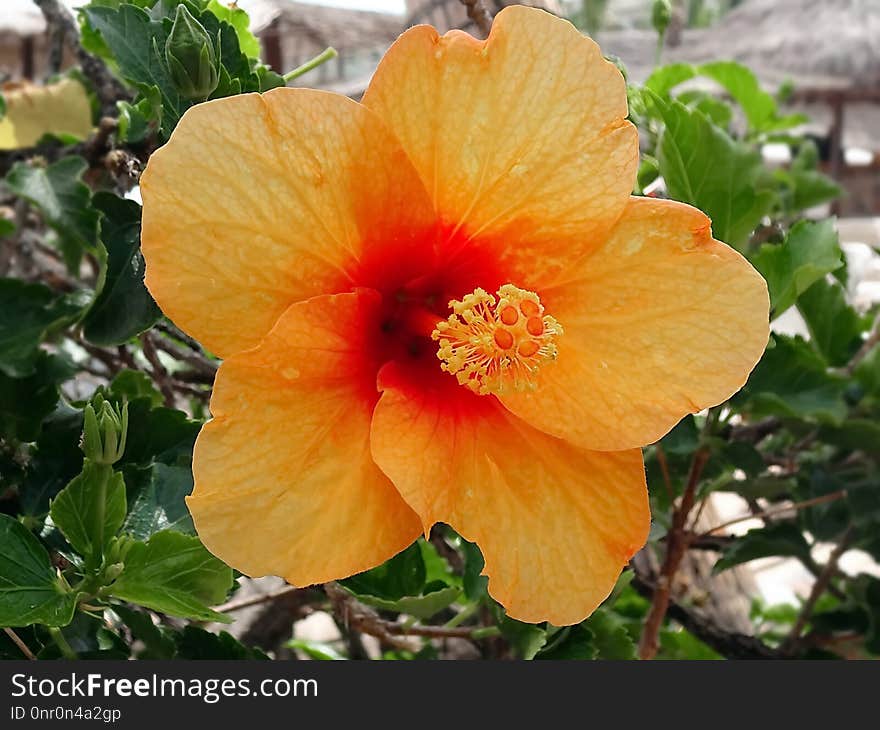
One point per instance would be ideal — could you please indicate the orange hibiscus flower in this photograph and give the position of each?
(441, 304)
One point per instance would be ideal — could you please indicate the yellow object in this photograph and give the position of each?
(33, 111)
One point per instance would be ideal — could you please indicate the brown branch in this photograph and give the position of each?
(159, 373)
(363, 618)
(793, 640)
(664, 470)
(16, 639)
(754, 432)
(445, 550)
(831, 497)
(869, 344)
(730, 644)
(107, 87)
(197, 361)
(237, 605)
(676, 547)
(477, 12)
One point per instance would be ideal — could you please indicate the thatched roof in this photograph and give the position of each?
(819, 44)
(342, 28)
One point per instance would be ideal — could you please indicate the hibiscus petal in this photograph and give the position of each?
(660, 321)
(284, 481)
(556, 523)
(260, 201)
(521, 139)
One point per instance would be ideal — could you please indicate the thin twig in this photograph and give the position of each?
(863, 352)
(831, 497)
(664, 470)
(754, 432)
(366, 620)
(16, 639)
(792, 641)
(477, 12)
(676, 547)
(160, 374)
(106, 86)
(237, 605)
(197, 361)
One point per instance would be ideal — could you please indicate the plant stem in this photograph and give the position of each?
(462, 616)
(324, 56)
(66, 650)
(104, 472)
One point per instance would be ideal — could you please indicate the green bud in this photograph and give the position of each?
(661, 14)
(105, 427)
(189, 53)
(112, 572)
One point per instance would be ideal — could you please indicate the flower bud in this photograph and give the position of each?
(661, 14)
(104, 430)
(189, 53)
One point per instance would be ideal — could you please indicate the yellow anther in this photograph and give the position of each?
(496, 345)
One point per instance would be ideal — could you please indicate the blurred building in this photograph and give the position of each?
(24, 43)
(291, 33)
(447, 14)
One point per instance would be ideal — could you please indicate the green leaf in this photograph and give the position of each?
(137, 44)
(610, 637)
(30, 592)
(525, 639)
(64, 202)
(779, 539)
(765, 487)
(401, 584)
(163, 434)
(853, 434)
(868, 372)
(474, 582)
(55, 460)
(238, 19)
(25, 402)
(403, 575)
(159, 503)
(793, 380)
(421, 606)
(759, 106)
(174, 574)
(835, 327)
(123, 307)
(132, 385)
(810, 251)
(703, 166)
(89, 638)
(804, 189)
(665, 78)
(136, 121)
(196, 643)
(573, 642)
(682, 644)
(159, 645)
(90, 510)
(28, 312)
(315, 649)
